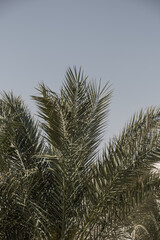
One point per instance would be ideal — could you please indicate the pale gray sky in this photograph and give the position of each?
(116, 40)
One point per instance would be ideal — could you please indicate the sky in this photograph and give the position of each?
(112, 40)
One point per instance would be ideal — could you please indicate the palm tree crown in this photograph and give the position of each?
(54, 183)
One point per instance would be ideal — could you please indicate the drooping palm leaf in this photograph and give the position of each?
(22, 133)
(122, 178)
(19, 143)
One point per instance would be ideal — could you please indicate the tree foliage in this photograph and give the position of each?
(54, 182)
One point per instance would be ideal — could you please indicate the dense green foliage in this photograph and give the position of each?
(54, 182)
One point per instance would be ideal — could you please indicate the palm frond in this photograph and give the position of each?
(122, 178)
(21, 132)
(73, 123)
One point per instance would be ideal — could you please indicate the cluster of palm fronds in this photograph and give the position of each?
(54, 184)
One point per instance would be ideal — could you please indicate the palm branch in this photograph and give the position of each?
(54, 182)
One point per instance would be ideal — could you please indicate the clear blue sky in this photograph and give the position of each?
(116, 40)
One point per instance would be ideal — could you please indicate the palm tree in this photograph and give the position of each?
(54, 183)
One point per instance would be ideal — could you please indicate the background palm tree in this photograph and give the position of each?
(54, 183)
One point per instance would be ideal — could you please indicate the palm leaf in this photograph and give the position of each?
(122, 178)
(73, 123)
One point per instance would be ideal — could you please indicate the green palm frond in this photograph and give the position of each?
(21, 132)
(76, 117)
(21, 215)
(123, 177)
(73, 123)
(20, 141)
